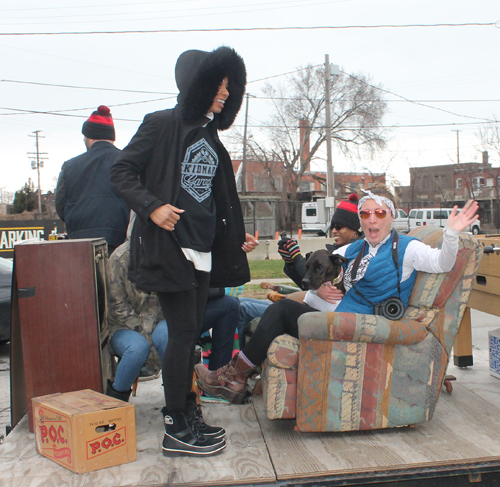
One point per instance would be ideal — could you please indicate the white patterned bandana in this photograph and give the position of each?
(379, 200)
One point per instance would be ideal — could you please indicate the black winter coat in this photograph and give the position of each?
(148, 175)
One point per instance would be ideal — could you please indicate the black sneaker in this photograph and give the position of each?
(204, 428)
(181, 439)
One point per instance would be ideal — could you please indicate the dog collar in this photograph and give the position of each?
(338, 278)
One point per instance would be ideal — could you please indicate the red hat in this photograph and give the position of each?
(346, 213)
(100, 125)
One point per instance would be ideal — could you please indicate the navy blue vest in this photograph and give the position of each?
(380, 279)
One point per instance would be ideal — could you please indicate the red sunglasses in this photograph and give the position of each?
(379, 213)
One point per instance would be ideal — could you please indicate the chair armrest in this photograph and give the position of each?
(411, 329)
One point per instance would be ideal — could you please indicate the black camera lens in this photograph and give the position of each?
(393, 308)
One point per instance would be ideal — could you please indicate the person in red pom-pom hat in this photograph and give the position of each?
(85, 199)
(345, 225)
(99, 126)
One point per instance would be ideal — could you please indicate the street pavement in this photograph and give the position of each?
(482, 323)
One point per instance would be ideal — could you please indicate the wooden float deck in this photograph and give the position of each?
(462, 438)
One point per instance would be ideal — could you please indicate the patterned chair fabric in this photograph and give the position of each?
(365, 372)
(279, 377)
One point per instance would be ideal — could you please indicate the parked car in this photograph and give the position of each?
(5, 290)
(436, 217)
(400, 223)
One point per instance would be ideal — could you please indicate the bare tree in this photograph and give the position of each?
(357, 109)
(6, 197)
(489, 135)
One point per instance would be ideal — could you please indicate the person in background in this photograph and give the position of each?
(383, 264)
(85, 200)
(189, 234)
(138, 330)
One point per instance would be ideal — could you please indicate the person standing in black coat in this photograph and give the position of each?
(189, 233)
(85, 200)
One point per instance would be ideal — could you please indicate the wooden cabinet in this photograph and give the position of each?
(59, 309)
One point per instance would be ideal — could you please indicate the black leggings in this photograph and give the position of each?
(184, 312)
(281, 317)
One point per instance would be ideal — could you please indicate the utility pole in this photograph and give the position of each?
(458, 146)
(330, 182)
(37, 163)
(330, 70)
(244, 160)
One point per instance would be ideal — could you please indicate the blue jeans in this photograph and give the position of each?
(221, 315)
(133, 350)
(249, 309)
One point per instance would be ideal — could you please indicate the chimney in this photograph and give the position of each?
(303, 125)
(485, 157)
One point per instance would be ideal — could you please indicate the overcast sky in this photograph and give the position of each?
(449, 69)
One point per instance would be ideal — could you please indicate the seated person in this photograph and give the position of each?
(250, 308)
(136, 322)
(344, 229)
(373, 274)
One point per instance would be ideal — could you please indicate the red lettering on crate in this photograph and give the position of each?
(106, 443)
(52, 434)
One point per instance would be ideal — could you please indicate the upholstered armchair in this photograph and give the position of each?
(350, 371)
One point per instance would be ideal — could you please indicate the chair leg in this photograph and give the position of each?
(134, 387)
(447, 383)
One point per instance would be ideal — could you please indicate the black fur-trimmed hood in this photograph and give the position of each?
(198, 75)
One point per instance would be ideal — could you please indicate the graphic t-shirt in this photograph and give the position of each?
(196, 227)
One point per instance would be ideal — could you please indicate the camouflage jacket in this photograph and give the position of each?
(127, 306)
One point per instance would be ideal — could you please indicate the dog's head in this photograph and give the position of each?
(321, 267)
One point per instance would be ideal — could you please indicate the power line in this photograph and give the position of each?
(415, 102)
(227, 10)
(36, 83)
(66, 113)
(91, 6)
(86, 87)
(252, 29)
(283, 74)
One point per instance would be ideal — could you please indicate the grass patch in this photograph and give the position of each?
(266, 269)
(263, 269)
(253, 291)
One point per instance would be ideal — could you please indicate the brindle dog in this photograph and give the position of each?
(323, 267)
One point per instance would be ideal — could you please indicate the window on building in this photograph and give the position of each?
(478, 182)
(489, 182)
(352, 187)
(459, 183)
(306, 186)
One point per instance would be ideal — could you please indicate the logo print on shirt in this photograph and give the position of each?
(198, 170)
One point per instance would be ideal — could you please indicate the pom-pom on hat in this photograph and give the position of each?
(100, 125)
(346, 213)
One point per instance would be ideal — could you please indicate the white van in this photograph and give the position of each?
(436, 217)
(400, 223)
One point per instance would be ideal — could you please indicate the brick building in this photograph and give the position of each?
(454, 184)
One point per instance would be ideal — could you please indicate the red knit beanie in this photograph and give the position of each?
(100, 125)
(346, 213)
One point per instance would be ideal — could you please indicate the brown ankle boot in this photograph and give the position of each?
(228, 382)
